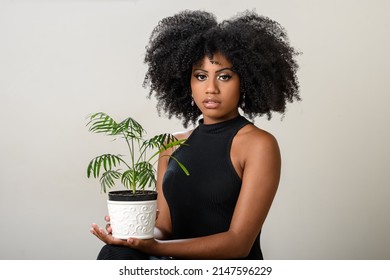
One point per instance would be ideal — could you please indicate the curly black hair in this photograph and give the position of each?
(256, 46)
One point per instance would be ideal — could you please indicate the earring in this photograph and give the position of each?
(192, 102)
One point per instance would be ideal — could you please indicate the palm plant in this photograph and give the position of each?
(137, 172)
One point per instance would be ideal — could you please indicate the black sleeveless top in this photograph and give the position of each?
(203, 203)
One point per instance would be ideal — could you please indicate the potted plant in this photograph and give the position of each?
(132, 210)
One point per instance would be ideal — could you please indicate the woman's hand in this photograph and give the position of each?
(147, 246)
(144, 245)
(106, 236)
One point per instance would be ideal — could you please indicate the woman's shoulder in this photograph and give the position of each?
(180, 135)
(255, 133)
(253, 148)
(254, 138)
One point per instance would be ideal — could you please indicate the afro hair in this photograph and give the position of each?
(256, 46)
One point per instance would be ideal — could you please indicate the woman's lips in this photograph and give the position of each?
(211, 103)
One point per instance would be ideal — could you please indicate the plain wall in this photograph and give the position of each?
(62, 60)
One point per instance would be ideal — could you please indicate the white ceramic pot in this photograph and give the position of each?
(134, 218)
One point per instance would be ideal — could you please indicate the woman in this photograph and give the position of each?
(199, 68)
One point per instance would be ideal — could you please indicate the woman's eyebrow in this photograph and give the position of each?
(223, 69)
(219, 70)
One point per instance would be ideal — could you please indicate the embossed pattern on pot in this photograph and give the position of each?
(132, 219)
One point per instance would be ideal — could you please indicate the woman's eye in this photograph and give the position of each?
(200, 77)
(224, 77)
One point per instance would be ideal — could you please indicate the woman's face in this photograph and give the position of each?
(215, 89)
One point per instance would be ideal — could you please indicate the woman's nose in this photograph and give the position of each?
(212, 86)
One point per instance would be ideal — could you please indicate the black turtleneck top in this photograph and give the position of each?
(203, 203)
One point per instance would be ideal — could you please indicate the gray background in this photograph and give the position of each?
(61, 60)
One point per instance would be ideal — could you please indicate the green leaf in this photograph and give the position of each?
(168, 145)
(185, 170)
(108, 161)
(156, 141)
(129, 179)
(131, 128)
(108, 178)
(102, 123)
(146, 174)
